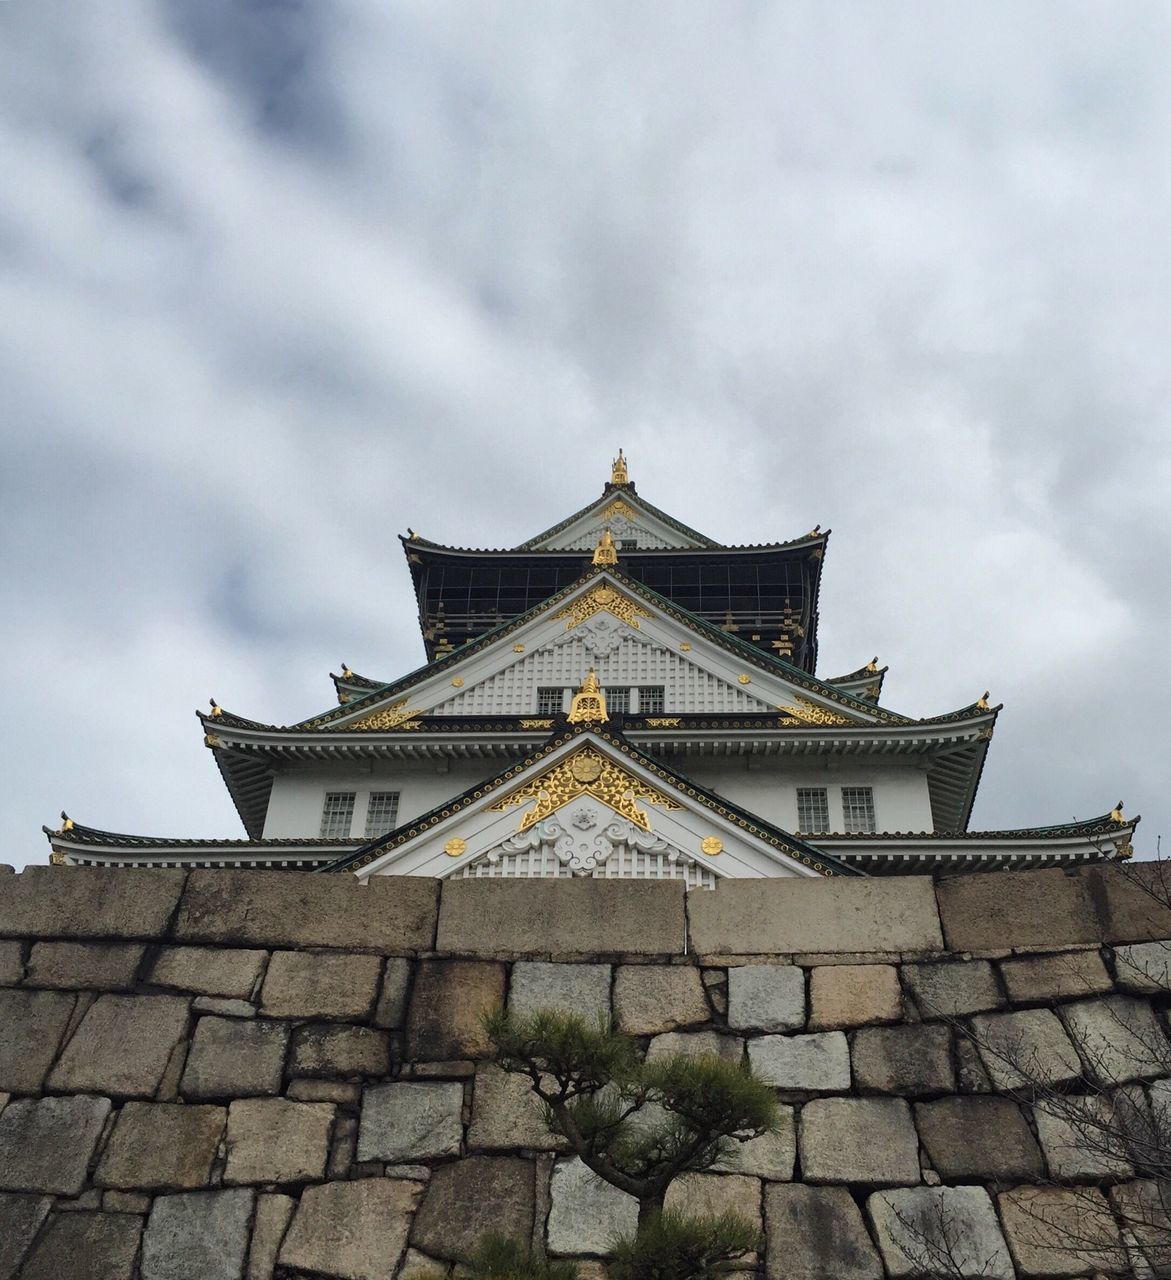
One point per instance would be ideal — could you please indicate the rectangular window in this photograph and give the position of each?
(651, 700)
(337, 815)
(381, 813)
(812, 810)
(549, 700)
(858, 809)
(629, 544)
(617, 701)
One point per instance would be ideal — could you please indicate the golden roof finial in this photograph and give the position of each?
(982, 702)
(216, 709)
(1116, 813)
(589, 702)
(605, 552)
(346, 672)
(618, 472)
(66, 821)
(872, 665)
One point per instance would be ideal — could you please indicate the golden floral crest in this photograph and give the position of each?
(619, 507)
(396, 716)
(603, 599)
(586, 772)
(806, 712)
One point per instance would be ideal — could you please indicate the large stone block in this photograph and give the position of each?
(1021, 909)
(1119, 1038)
(763, 917)
(913, 1060)
(20, 1220)
(46, 1143)
(31, 1026)
(507, 1114)
(391, 1010)
(231, 1058)
(587, 1213)
(198, 1235)
(1032, 979)
(84, 966)
(351, 1230)
(86, 1246)
(301, 909)
(160, 1146)
(122, 1046)
(1061, 1232)
(866, 1140)
(411, 1121)
(817, 1233)
(89, 902)
(11, 963)
(1133, 902)
(652, 999)
(582, 989)
(466, 1199)
(766, 997)
(334, 986)
(814, 1063)
(985, 1139)
(853, 995)
(696, 1194)
(341, 1052)
(209, 971)
(274, 1140)
(1083, 1139)
(1142, 966)
(274, 1212)
(448, 1003)
(1029, 1046)
(562, 917)
(695, 1044)
(954, 989)
(770, 1156)
(1142, 1207)
(922, 1230)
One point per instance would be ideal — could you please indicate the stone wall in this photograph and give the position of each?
(217, 1075)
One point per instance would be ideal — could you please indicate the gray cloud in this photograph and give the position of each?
(281, 279)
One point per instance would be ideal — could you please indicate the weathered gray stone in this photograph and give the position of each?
(1119, 1038)
(86, 1246)
(562, 917)
(817, 1233)
(326, 1049)
(275, 1140)
(582, 989)
(466, 1199)
(418, 1266)
(506, 1113)
(764, 917)
(1060, 1232)
(122, 1046)
(919, 1227)
(853, 995)
(343, 1093)
(89, 902)
(391, 1010)
(696, 1194)
(912, 1060)
(342, 1147)
(1081, 1139)
(1042, 909)
(819, 1062)
(695, 1044)
(970, 1139)
(410, 1121)
(125, 1202)
(652, 999)
(273, 1214)
(84, 966)
(953, 990)
(232, 1058)
(209, 971)
(770, 1156)
(223, 1006)
(1027, 1046)
(329, 985)
(32, 1024)
(198, 1235)
(351, 1230)
(1133, 901)
(766, 997)
(300, 909)
(46, 1143)
(586, 1212)
(1043, 978)
(971, 1074)
(1143, 966)
(866, 1140)
(20, 1220)
(448, 1003)
(11, 963)
(1142, 1206)
(161, 1146)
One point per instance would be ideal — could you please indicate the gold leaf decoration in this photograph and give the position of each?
(602, 599)
(711, 845)
(455, 847)
(806, 712)
(396, 716)
(619, 507)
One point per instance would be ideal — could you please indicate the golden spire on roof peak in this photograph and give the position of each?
(605, 552)
(618, 472)
(589, 702)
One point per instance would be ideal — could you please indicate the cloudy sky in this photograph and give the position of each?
(279, 279)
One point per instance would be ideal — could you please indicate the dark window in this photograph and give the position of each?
(381, 813)
(337, 814)
(550, 700)
(651, 700)
(812, 810)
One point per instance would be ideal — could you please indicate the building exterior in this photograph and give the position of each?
(618, 697)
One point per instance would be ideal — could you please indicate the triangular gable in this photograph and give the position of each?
(628, 517)
(590, 804)
(631, 638)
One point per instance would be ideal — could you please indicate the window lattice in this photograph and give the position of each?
(550, 700)
(812, 810)
(382, 813)
(858, 809)
(337, 814)
(617, 701)
(651, 699)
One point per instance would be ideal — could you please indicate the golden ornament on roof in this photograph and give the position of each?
(618, 472)
(455, 847)
(589, 702)
(1116, 813)
(711, 845)
(872, 665)
(982, 701)
(605, 552)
